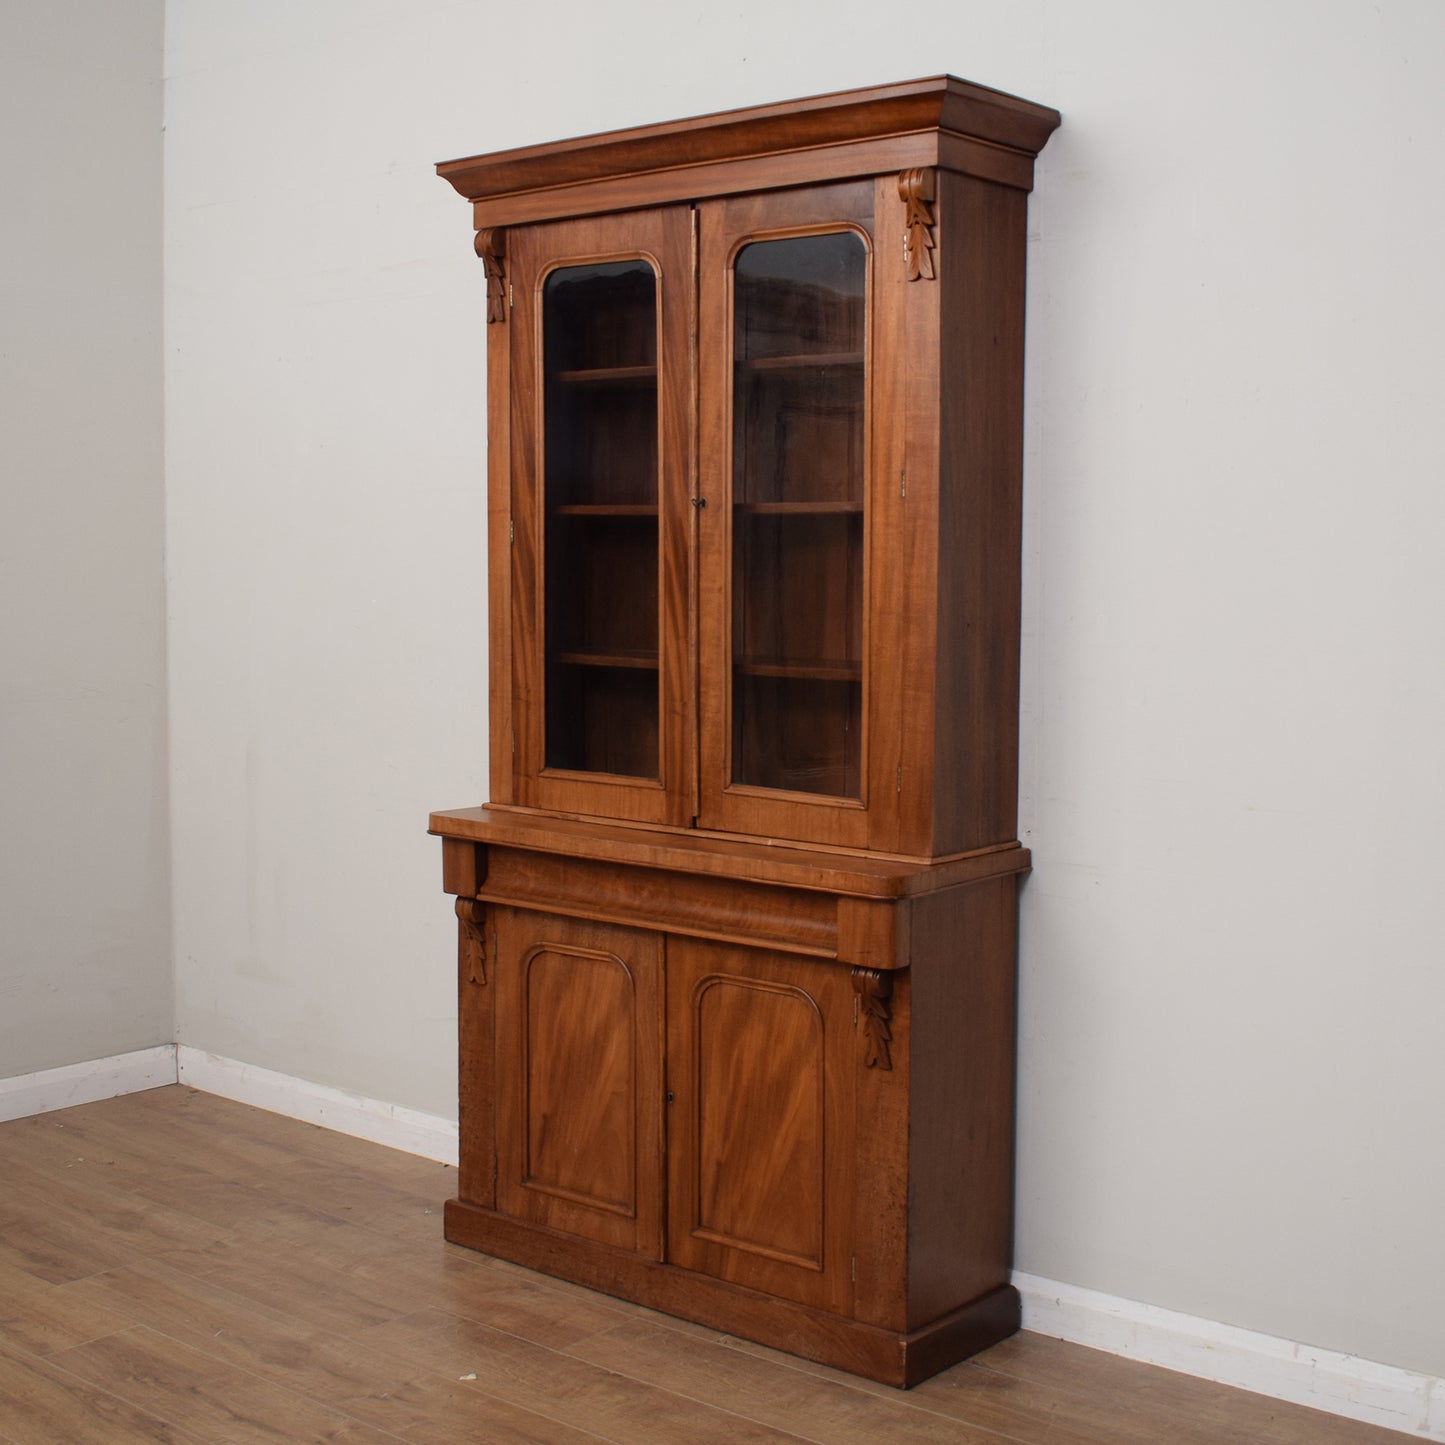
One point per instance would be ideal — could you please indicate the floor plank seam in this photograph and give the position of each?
(173, 1242)
(622, 1375)
(92, 1387)
(249, 1374)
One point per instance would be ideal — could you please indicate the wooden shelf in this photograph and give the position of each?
(643, 661)
(821, 671)
(799, 509)
(604, 375)
(800, 361)
(607, 509)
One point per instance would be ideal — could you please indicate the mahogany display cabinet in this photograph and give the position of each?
(737, 929)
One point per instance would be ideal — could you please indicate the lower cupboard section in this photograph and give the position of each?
(737, 1134)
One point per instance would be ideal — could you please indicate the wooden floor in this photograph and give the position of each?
(176, 1267)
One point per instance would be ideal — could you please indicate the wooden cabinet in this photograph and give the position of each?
(736, 929)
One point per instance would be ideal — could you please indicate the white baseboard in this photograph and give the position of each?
(50, 1089)
(430, 1135)
(1382, 1395)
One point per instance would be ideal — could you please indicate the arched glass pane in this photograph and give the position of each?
(799, 470)
(600, 459)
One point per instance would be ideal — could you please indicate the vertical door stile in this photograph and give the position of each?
(710, 530)
(665, 1104)
(697, 498)
(524, 556)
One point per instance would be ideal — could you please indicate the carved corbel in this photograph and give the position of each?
(915, 190)
(874, 987)
(472, 940)
(491, 246)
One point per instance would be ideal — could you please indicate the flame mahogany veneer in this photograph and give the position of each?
(736, 933)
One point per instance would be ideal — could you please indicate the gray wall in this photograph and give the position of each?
(1232, 1064)
(85, 958)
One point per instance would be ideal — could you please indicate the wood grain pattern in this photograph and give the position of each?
(502, 673)
(727, 909)
(579, 1077)
(979, 519)
(578, 1394)
(760, 1126)
(820, 1406)
(40, 1319)
(229, 1345)
(202, 1394)
(42, 1403)
(476, 1059)
(844, 161)
(694, 853)
(961, 1085)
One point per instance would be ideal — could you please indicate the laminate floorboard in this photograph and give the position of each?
(175, 1267)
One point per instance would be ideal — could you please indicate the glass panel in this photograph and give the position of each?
(599, 359)
(798, 497)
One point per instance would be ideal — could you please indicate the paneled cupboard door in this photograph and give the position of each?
(762, 1061)
(795, 356)
(602, 438)
(579, 1078)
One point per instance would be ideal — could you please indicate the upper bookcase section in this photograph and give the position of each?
(941, 121)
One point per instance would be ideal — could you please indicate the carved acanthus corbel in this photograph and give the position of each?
(915, 190)
(874, 988)
(491, 245)
(472, 939)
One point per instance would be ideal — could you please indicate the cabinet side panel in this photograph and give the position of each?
(981, 235)
(960, 1208)
(880, 1196)
(476, 1062)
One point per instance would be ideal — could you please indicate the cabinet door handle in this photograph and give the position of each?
(699, 502)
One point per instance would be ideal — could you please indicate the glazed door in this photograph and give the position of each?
(602, 435)
(798, 363)
(579, 1078)
(761, 1070)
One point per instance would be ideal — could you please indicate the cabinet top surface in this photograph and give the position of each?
(763, 860)
(937, 103)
